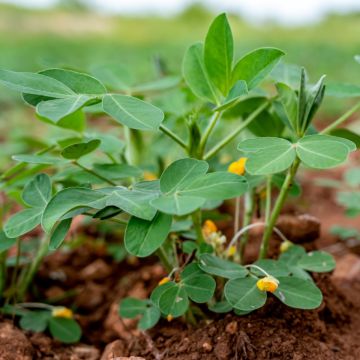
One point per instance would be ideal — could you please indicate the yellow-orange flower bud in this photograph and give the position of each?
(164, 280)
(169, 318)
(232, 250)
(149, 176)
(268, 283)
(238, 167)
(285, 246)
(62, 312)
(208, 228)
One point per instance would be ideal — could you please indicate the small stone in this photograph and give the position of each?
(207, 347)
(347, 268)
(231, 328)
(86, 352)
(114, 350)
(97, 270)
(14, 344)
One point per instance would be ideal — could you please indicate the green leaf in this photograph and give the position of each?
(80, 83)
(159, 290)
(181, 173)
(255, 66)
(191, 270)
(174, 301)
(132, 112)
(130, 307)
(59, 234)
(76, 151)
(117, 171)
(200, 288)
(219, 53)
(58, 109)
(36, 84)
(220, 267)
(289, 102)
(196, 75)
(243, 294)
(341, 90)
(177, 204)
(66, 330)
(6, 242)
(23, 222)
(347, 134)
(143, 237)
(134, 202)
(298, 293)
(267, 155)
(219, 185)
(70, 199)
(38, 159)
(321, 151)
(237, 92)
(156, 86)
(35, 320)
(220, 307)
(37, 192)
(107, 213)
(150, 318)
(292, 255)
(317, 261)
(352, 177)
(272, 267)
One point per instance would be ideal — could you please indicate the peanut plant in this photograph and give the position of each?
(108, 178)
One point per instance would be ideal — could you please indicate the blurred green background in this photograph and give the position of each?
(71, 35)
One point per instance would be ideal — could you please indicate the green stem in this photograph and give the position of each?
(248, 214)
(268, 199)
(3, 256)
(134, 146)
(94, 173)
(237, 215)
(341, 119)
(196, 217)
(277, 208)
(236, 132)
(161, 253)
(173, 136)
(29, 276)
(208, 131)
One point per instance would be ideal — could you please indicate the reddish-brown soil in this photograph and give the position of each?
(94, 283)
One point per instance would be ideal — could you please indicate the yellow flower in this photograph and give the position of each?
(268, 283)
(164, 280)
(149, 176)
(232, 250)
(238, 167)
(62, 312)
(208, 228)
(285, 246)
(169, 318)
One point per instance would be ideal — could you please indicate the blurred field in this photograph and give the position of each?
(33, 40)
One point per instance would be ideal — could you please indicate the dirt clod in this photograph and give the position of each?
(14, 344)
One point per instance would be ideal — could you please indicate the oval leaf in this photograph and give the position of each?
(143, 237)
(219, 53)
(76, 151)
(243, 294)
(200, 288)
(317, 261)
(298, 293)
(216, 266)
(66, 330)
(132, 112)
(196, 75)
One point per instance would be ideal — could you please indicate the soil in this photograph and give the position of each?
(93, 283)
